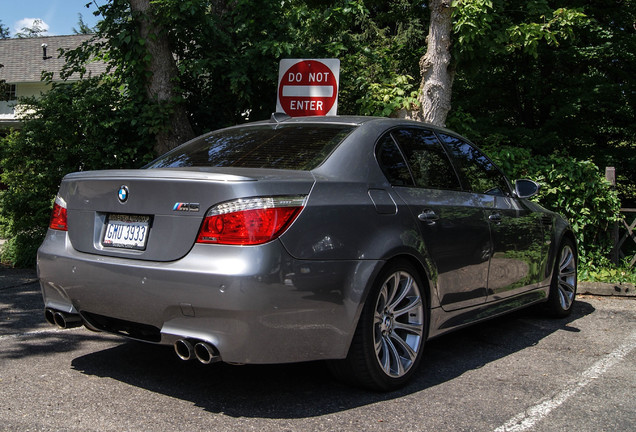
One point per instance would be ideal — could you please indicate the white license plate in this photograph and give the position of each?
(126, 231)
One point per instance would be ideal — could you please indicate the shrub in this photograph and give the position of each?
(73, 127)
(574, 188)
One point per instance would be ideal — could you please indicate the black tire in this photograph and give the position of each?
(563, 285)
(387, 346)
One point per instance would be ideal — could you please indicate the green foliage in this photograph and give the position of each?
(532, 79)
(609, 273)
(573, 91)
(227, 54)
(483, 28)
(387, 97)
(4, 31)
(37, 29)
(378, 44)
(82, 27)
(574, 188)
(473, 21)
(559, 26)
(74, 127)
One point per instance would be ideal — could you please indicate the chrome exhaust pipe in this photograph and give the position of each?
(65, 320)
(206, 353)
(49, 315)
(184, 349)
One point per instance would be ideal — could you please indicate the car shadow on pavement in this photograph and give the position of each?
(22, 318)
(307, 389)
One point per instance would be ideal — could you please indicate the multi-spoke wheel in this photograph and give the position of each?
(398, 325)
(387, 345)
(563, 285)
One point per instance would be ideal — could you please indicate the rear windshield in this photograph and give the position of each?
(296, 147)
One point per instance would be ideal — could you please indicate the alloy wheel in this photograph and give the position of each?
(567, 277)
(398, 324)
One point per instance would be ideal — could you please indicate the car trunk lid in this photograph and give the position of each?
(164, 208)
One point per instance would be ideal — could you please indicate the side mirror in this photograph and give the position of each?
(525, 188)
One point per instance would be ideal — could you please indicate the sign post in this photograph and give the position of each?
(308, 87)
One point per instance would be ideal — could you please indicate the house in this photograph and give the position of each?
(22, 62)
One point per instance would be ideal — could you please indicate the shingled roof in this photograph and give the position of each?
(23, 58)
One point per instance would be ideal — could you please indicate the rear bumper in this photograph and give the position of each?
(255, 304)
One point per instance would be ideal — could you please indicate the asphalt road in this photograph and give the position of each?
(520, 372)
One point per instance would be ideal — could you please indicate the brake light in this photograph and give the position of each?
(249, 221)
(59, 219)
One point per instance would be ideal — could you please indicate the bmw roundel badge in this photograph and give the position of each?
(122, 194)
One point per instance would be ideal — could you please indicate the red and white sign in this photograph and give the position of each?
(308, 87)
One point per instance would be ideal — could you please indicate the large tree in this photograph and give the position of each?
(436, 69)
(521, 73)
(459, 29)
(161, 76)
(574, 94)
(135, 43)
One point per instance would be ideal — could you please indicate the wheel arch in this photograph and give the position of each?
(563, 278)
(422, 273)
(565, 233)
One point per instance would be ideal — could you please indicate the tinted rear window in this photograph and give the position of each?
(296, 147)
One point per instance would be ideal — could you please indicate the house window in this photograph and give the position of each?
(9, 93)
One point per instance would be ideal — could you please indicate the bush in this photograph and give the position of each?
(574, 188)
(74, 127)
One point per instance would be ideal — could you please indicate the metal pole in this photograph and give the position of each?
(610, 175)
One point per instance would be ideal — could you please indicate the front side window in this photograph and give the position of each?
(479, 173)
(295, 147)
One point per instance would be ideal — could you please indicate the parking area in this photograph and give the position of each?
(519, 372)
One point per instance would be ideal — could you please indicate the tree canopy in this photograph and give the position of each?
(538, 80)
(36, 29)
(574, 96)
(4, 31)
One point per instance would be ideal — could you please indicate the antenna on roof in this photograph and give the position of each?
(279, 117)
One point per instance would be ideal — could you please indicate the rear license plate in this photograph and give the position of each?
(126, 231)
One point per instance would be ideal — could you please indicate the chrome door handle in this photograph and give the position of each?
(428, 215)
(495, 218)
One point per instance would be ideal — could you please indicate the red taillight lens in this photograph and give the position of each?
(58, 216)
(249, 221)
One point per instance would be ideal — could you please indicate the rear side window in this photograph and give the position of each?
(479, 173)
(392, 162)
(430, 166)
(295, 147)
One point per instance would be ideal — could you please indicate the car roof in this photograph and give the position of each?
(282, 118)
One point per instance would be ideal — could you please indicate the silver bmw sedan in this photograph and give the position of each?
(347, 239)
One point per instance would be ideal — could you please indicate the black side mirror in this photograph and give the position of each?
(525, 188)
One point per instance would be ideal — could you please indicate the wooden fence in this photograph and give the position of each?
(624, 235)
(624, 229)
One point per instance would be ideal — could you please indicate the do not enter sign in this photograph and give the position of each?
(308, 87)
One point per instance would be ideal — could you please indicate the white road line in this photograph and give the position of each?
(525, 420)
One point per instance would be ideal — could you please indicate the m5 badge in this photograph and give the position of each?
(186, 207)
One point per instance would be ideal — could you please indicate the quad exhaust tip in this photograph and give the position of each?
(184, 349)
(188, 349)
(62, 319)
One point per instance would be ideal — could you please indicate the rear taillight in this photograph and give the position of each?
(249, 221)
(58, 216)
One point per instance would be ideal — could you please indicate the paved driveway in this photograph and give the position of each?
(520, 372)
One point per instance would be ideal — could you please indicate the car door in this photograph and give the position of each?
(452, 225)
(516, 231)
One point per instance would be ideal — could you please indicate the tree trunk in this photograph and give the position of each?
(435, 66)
(162, 73)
